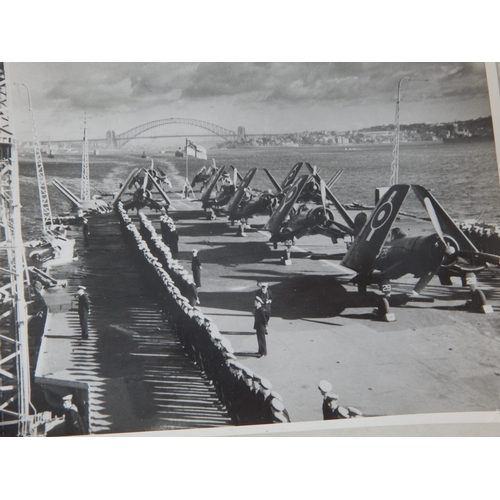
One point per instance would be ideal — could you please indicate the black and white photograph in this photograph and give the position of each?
(195, 247)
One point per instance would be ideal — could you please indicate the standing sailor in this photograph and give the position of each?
(196, 268)
(265, 297)
(261, 317)
(72, 420)
(83, 311)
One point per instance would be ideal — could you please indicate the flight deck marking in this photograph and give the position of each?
(338, 267)
(183, 203)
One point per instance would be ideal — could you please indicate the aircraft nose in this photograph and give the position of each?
(324, 218)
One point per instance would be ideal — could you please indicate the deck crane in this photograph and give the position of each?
(17, 414)
(53, 248)
(47, 220)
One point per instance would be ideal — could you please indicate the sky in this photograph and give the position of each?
(267, 97)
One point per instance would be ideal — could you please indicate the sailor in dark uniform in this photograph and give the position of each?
(265, 297)
(196, 268)
(174, 241)
(261, 318)
(83, 311)
(72, 420)
(330, 404)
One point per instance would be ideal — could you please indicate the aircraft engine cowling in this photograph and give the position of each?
(142, 195)
(321, 218)
(451, 256)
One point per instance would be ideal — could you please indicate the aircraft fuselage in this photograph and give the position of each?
(417, 255)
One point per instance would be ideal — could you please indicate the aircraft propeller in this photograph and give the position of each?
(323, 194)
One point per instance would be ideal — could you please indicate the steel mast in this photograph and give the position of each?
(47, 220)
(15, 384)
(395, 153)
(85, 188)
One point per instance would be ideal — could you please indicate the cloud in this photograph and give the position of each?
(301, 95)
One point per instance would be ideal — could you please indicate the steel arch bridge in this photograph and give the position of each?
(121, 139)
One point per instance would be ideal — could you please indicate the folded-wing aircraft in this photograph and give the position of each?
(218, 190)
(144, 180)
(243, 202)
(248, 202)
(381, 253)
(299, 213)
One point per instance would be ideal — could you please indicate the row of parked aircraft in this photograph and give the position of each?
(379, 253)
(304, 204)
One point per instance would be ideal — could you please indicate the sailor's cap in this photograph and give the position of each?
(266, 384)
(81, 287)
(215, 334)
(248, 372)
(68, 397)
(277, 404)
(325, 386)
(342, 412)
(354, 412)
(275, 395)
(330, 396)
(227, 345)
(235, 364)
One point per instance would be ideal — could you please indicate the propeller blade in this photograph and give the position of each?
(434, 219)
(323, 194)
(145, 182)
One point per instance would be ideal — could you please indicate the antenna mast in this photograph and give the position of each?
(395, 153)
(85, 189)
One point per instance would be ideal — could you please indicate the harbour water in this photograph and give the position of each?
(463, 177)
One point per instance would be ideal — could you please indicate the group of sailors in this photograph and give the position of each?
(248, 398)
(331, 408)
(486, 238)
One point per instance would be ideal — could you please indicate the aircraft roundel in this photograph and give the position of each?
(382, 215)
(291, 174)
(291, 194)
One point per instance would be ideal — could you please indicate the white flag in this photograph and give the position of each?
(196, 151)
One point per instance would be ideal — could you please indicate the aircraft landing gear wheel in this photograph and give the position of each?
(478, 303)
(384, 310)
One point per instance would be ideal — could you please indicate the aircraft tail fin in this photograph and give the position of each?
(234, 202)
(362, 253)
(274, 223)
(237, 175)
(292, 175)
(205, 195)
